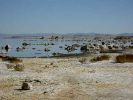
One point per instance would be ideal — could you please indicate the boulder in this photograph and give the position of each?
(26, 86)
(7, 47)
(84, 48)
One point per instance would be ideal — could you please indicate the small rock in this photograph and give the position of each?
(28, 80)
(45, 92)
(51, 63)
(92, 71)
(55, 66)
(26, 86)
(36, 80)
(46, 66)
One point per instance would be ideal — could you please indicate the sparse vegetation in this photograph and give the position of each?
(12, 60)
(1, 58)
(100, 58)
(19, 67)
(131, 47)
(82, 60)
(124, 58)
(10, 66)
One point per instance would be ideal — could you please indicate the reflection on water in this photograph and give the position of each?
(39, 47)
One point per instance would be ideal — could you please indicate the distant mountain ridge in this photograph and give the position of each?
(126, 34)
(93, 34)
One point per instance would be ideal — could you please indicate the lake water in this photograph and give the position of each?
(44, 47)
(37, 47)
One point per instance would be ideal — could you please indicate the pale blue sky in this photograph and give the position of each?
(66, 16)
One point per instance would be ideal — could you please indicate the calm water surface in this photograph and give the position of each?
(37, 47)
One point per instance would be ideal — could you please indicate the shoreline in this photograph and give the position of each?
(68, 55)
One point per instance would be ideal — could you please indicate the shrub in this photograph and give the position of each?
(12, 59)
(10, 66)
(124, 58)
(19, 67)
(82, 60)
(15, 60)
(131, 47)
(100, 58)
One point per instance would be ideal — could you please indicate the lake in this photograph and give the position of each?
(38, 47)
(26, 47)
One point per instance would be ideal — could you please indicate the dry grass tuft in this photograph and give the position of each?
(100, 58)
(82, 60)
(10, 66)
(19, 67)
(12, 60)
(124, 58)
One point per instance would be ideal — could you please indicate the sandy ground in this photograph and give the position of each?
(67, 79)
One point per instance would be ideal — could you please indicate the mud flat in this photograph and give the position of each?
(67, 79)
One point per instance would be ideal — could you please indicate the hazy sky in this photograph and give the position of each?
(66, 16)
